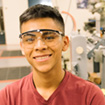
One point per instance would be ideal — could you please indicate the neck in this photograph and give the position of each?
(48, 80)
(47, 83)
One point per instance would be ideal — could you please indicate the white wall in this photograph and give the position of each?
(0, 3)
(13, 8)
(80, 15)
(11, 11)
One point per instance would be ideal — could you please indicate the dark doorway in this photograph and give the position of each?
(2, 32)
(34, 2)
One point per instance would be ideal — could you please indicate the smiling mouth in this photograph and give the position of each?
(44, 57)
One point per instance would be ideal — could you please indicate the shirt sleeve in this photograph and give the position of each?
(97, 97)
(3, 97)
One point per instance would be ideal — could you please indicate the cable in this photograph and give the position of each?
(74, 28)
(68, 14)
(68, 10)
(56, 2)
(74, 22)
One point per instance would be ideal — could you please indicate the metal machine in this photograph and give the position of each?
(79, 55)
(96, 50)
(97, 20)
(96, 42)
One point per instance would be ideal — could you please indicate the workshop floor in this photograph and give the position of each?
(12, 67)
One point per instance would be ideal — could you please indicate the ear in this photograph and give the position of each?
(65, 43)
(22, 50)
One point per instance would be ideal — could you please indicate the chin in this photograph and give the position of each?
(42, 70)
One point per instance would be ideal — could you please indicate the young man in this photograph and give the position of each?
(42, 41)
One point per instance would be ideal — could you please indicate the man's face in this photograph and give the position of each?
(43, 57)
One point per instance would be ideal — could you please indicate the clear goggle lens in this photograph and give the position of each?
(49, 37)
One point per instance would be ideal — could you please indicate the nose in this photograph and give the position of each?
(40, 45)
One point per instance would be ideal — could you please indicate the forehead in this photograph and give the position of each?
(40, 23)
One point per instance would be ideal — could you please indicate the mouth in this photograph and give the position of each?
(42, 57)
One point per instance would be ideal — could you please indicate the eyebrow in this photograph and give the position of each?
(28, 34)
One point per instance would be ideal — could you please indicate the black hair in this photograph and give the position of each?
(42, 11)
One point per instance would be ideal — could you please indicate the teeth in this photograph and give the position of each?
(39, 58)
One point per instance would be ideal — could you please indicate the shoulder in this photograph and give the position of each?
(13, 91)
(81, 84)
(86, 89)
(16, 86)
(22, 82)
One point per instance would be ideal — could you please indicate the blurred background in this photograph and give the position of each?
(85, 26)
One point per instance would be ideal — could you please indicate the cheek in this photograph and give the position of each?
(57, 49)
(27, 53)
(28, 56)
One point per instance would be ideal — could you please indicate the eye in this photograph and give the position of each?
(29, 38)
(49, 37)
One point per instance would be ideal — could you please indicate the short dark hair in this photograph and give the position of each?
(42, 11)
